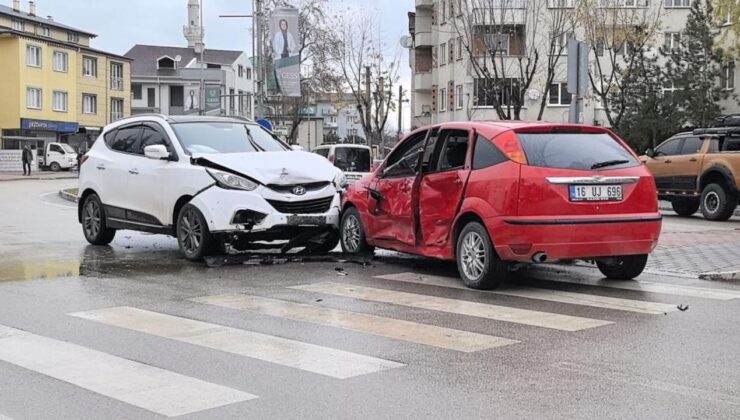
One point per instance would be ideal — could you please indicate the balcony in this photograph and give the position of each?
(423, 39)
(420, 120)
(423, 82)
(424, 3)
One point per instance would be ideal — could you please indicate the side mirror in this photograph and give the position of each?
(157, 152)
(296, 147)
(650, 152)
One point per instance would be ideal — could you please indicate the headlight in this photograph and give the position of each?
(231, 181)
(340, 181)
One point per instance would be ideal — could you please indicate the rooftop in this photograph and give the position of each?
(6, 10)
(145, 57)
(58, 42)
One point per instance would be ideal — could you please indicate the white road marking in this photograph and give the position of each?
(4, 417)
(295, 354)
(63, 206)
(582, 299)
(461, 307)
(414, 332)
(662, 288)
(151, 388)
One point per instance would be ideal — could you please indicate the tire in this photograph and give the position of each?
(717, 203)
(474, 244)
(193, 237)
(352, 234)
(55, 167)
(626, 267)
(328, 244)
(94, 225)
(685, 206)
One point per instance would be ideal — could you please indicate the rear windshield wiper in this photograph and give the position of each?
(608, 163)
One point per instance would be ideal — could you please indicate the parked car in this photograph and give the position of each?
(354, 160)
(208, 181)
(491, 194)
(57, 157)
(699, 170)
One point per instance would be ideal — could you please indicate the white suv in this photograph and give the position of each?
(212, 182)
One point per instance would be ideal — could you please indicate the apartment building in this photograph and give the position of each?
(445, 85)
(341, 118)
(53, 85)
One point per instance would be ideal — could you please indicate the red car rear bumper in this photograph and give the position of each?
(519, 238)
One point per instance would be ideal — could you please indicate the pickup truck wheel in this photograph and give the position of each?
(717, 203)
(626, 267)
(55, 167)
(477, 262)
(685, 206)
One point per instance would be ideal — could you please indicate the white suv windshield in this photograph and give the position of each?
(225, 137)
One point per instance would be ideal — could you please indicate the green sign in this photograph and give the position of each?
(213, 98)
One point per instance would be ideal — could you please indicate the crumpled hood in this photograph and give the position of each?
(289, 167)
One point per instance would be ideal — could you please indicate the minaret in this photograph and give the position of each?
(193, 31)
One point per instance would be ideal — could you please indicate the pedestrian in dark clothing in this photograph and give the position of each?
(27, 158)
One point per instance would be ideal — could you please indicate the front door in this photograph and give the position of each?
(660, 164)
(392, 215)
(685, 166)
(442, 186)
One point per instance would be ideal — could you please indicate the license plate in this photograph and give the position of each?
(595, 193)
(295, 220)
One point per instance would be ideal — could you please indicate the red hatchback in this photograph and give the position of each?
(488, 194)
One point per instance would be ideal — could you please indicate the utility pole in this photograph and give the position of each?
(202, 47)
(401, 101)
(368, 104)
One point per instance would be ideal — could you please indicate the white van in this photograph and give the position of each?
(354, 160)
(57, 157)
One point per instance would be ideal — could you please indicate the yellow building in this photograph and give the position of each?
(53, 85)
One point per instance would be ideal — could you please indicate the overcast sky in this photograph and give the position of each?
(122, 23)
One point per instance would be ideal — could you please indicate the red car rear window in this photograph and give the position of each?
(580, 151)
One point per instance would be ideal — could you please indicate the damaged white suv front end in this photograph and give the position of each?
(217, 184)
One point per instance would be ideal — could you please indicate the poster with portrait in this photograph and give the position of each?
(285, 39)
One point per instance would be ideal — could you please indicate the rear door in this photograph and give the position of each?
(581, 174)
(443, 184)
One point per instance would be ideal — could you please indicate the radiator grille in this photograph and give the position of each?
(320, 205)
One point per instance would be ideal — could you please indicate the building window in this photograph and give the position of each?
(668, 89)
(677, 3)
(560, 43)
(443, 17)
(561, 4)
(33, 98)
(45, 31)
(443, 54)
(89, 67)
(490, 91)
(151, 97)
(443, 99)
(672, 40)
(727, 77)
(60, 61)
(116, 109)
(241, 71)
(89, 104)
(18, 25)
(33, 55)
(497, 43)
(73, 37)
(136, 90)
(116, 76)
(459, 96)
(559, 94)
(59, 101)
(459, 49)
(249, 73)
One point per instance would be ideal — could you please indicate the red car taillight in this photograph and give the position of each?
(509, 145)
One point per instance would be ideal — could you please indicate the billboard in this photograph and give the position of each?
(286, 51)
(213, 98)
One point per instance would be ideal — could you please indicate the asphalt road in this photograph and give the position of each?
(134, 331)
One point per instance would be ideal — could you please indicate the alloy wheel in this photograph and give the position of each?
(92, 219)
(351, 233)
(473, 255)
(711, 202)
(191, 232)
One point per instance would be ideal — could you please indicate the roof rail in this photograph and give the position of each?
(721, 131)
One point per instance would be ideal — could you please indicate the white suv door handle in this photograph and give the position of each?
(133, 171)
(101, 167)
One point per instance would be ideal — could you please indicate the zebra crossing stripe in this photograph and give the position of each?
(295, 354)
(582, 299)
(148, 387)
(662, 288)
(459, 307)
(414, 332)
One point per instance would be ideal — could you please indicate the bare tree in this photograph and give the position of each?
(561, 24)
(369, 72)
(615, 29)
(499, 39)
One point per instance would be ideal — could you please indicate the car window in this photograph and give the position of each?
(404, 161)
(579, 151)
(150, 137)
(486, 154)
(322, 152)
(226, 137)
(55, 148)
(668, 148)
(454, 150)
(127, 139)
(714, 146)
(429, 151)
(352, 159)
(731, 144)
(692, 145)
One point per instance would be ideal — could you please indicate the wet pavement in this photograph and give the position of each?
(134, 331)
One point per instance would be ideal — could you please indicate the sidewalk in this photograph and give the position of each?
(18, 176)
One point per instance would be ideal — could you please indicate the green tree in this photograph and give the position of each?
(728, 11)
(694, 68)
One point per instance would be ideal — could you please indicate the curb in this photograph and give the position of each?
(68, 195)
(720, 276)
